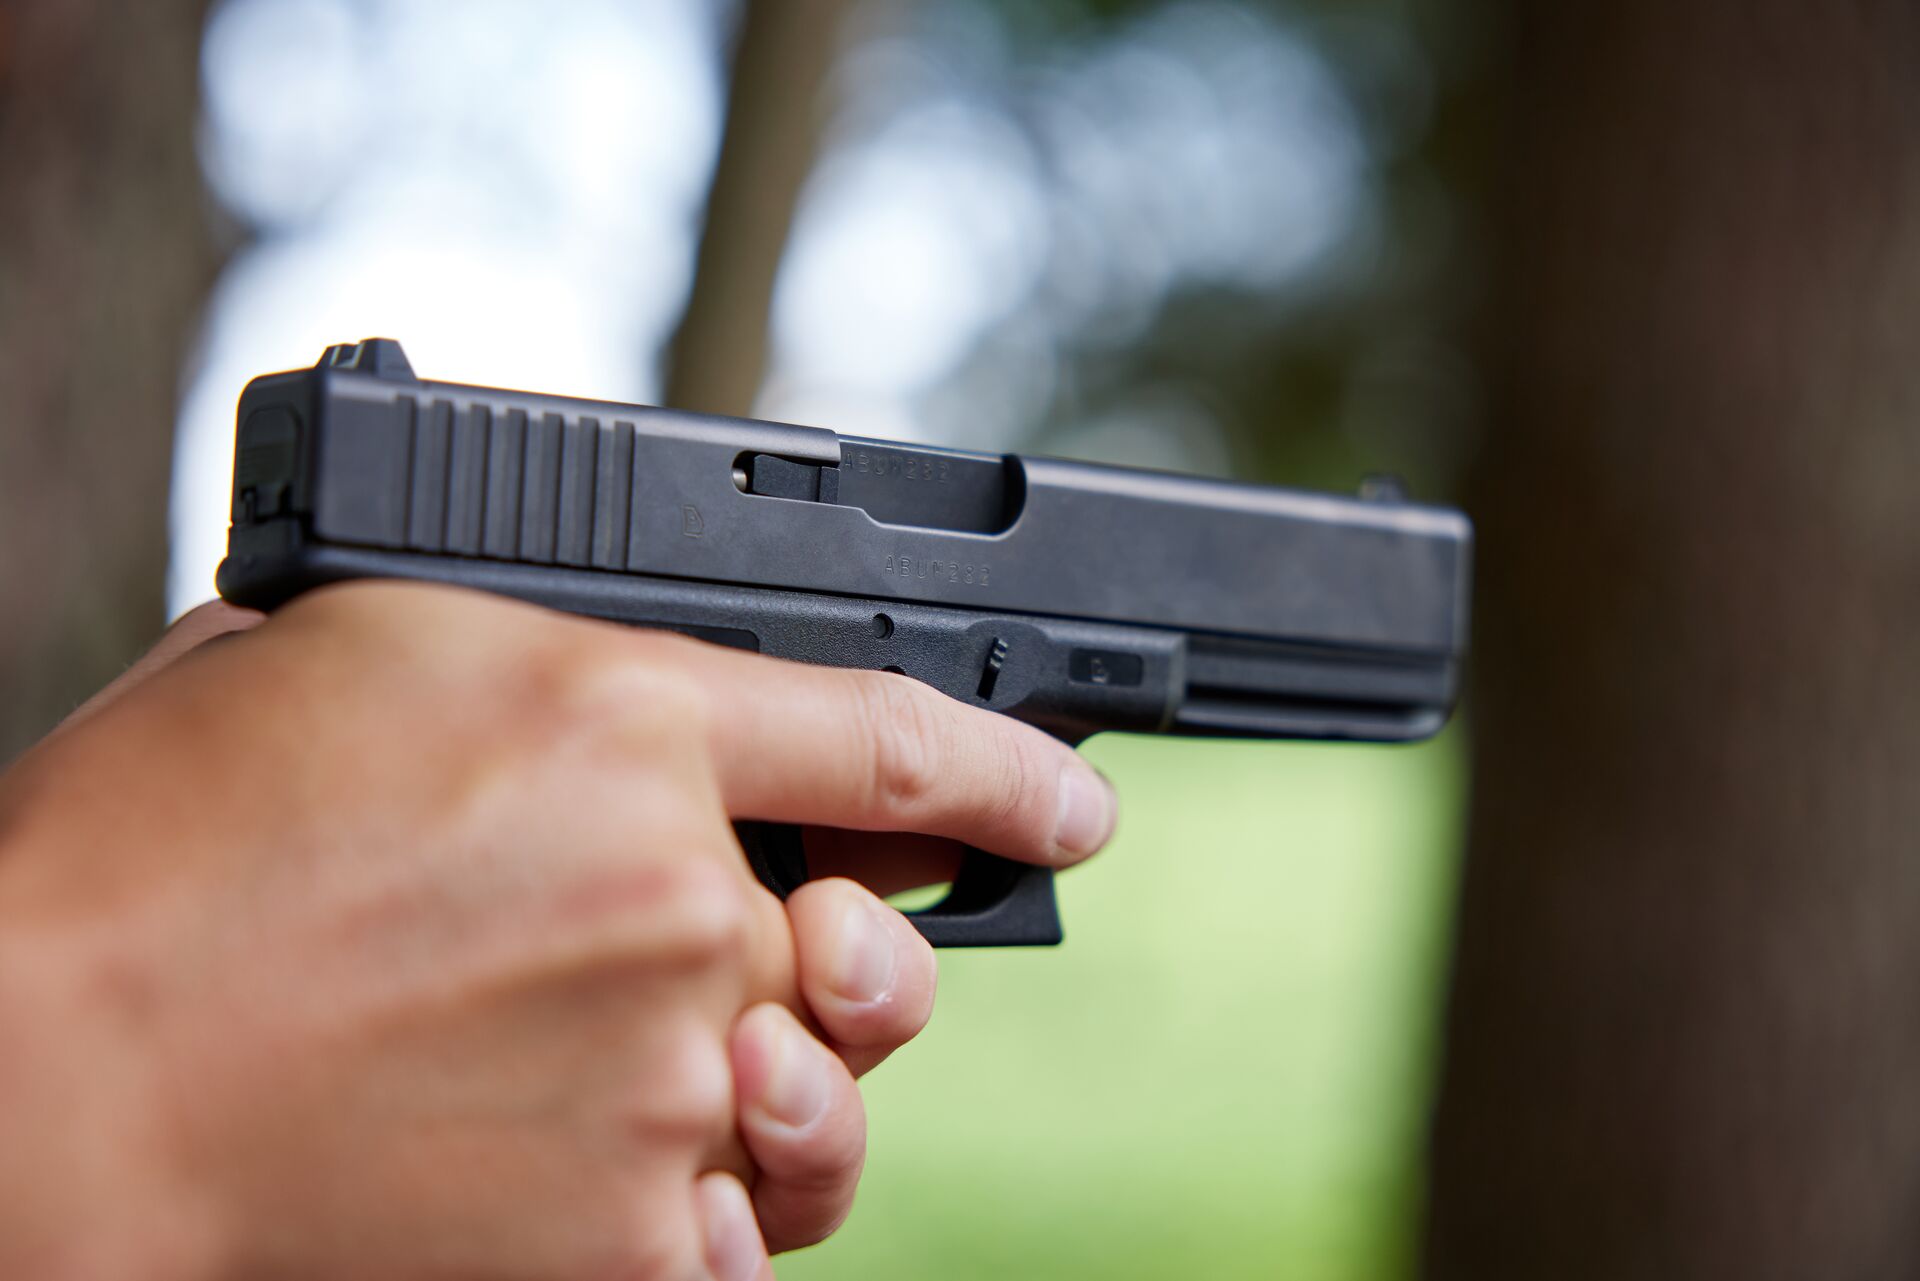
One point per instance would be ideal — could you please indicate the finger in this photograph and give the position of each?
(866, 975)
(734, 1249)
(190, 631)
(804, 1125)
(884, 862)
(882, 752)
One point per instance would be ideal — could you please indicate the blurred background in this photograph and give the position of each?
(1620, 977)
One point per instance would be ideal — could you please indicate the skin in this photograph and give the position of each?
(405, 935)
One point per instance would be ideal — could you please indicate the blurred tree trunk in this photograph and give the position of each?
(775, 109)
(1685, 1034)
(104, 261)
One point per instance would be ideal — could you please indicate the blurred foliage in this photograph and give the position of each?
(1357, 368)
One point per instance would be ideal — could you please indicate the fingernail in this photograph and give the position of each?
(863, 966)
(1086, 809)
(734, 1247)
(798, 1084)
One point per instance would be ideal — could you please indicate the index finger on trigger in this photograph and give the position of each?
(877, 751)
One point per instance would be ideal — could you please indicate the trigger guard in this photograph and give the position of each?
(994, 902)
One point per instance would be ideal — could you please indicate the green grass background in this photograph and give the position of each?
(1225, 1071)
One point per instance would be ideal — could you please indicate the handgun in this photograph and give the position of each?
(1074, 596)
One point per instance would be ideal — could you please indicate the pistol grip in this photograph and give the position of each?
(995, 902)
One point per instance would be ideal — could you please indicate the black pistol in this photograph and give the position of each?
(1073, 596)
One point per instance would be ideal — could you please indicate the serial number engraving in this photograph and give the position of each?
(905, 466)
(928, 569)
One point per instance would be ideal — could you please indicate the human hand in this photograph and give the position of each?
(406, 935)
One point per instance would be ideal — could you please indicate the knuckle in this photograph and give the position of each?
(1022, 803)
(905, 741)
(680, 908)
(715, 908)
(689, 1094)
(655, 1247)
(1018, 781)
(700, 912)
(610, 696)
